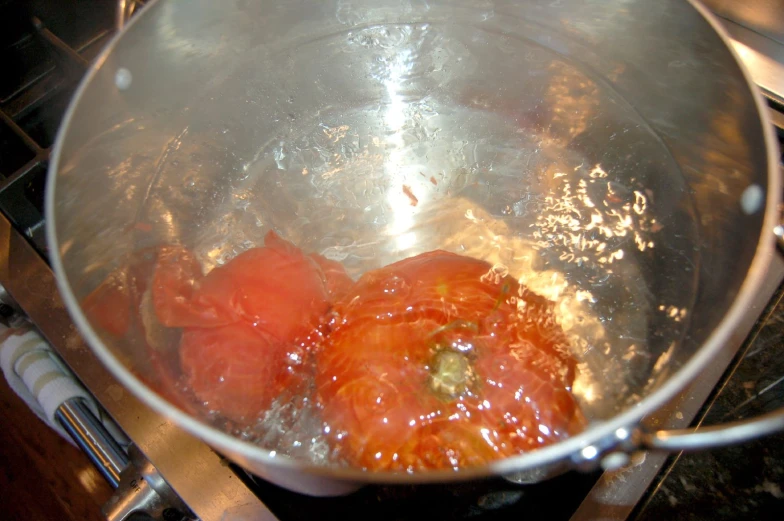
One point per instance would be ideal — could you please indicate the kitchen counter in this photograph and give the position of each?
(742, 482)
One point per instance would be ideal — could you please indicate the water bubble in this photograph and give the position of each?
(279, 155)
(189, 181)
(397, 286)
(500, 270)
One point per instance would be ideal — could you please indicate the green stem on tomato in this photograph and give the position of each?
(455, 324)
(504, 290)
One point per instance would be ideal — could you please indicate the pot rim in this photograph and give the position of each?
(538, 458)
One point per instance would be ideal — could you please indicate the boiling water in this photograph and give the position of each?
(559, 186)
(565, 227)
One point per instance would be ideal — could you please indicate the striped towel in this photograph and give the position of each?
(36, 375)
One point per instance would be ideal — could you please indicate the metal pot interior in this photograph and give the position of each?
(597, 151)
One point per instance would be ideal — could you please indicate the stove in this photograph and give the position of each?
(165, 473)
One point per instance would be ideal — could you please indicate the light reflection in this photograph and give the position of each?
(663, 359)
(335, 134)
(395, 119)
(486, 435)
(584, 295)
(571, 220)
(462, 226)
(764, 69)
(405, 240)
(586, 390)
(675, 313)
(90, 479)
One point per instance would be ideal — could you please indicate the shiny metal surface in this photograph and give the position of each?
(143, 490)
(125, 9)
(765, 17)
(136, 498)
(617, 448)
(91, 436)
(708, 437)
(6, 300)
(763, 57)
(140, 487)
(507, 102)
(206, 484)
(778, 231)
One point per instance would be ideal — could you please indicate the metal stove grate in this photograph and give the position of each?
(45, 49)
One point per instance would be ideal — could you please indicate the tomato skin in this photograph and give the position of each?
(374, 370)
(109, 305)
(243, 322)
(276, 288)
(235, 369)
(175, 281)
(113, 304)
(337, 280)
(243, 319)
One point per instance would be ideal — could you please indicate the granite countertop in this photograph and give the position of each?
(740, 482)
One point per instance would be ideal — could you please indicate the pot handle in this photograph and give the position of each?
(615, 451)
(722, 435)
(677, 440)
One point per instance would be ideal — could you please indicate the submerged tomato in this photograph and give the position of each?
(235, 369)
(112, 306)
(174, 282)
(243, 320)
(276, 288)
(439, 361)
(337, 280)
(109, 305)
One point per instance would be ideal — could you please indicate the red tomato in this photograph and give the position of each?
(276, 288)
(438, 361)
(337, 280)
(175, 280)
(236, 369)
(242, 319)
(109, 305)
(112, 305)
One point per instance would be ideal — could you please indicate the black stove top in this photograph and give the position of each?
(552, 500)
(45, 48)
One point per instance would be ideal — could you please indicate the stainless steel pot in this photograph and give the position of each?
(610, 154)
